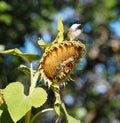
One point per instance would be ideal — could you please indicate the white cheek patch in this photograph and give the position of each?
(74, 26)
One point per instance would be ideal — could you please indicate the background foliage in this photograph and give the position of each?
(94, 95)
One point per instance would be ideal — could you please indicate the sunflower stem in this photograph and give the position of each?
(27, 117)
(33, 78)
(55, 89)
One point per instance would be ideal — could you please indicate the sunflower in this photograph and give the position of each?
(59, 60)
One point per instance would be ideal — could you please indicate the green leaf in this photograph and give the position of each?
(5, 116)
(1, 111)
(43, 44)
(58, 39)
(57, 109)
(60, 36)
(110, 3)
(18, 103)
(28, 57)
(69, 118)
(4, 6)
(12, 51)
(60, 25)
(60, 109)
(115, 103)
(7, 19)
(24, 69)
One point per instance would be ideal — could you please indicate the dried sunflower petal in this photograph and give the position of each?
(58, 61)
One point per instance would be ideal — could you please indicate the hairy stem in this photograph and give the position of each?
(55, 89)
(33, 79)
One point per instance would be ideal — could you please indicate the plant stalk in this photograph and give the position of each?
(33, 78)
(55, 89)
(27, 117)
(41, 112)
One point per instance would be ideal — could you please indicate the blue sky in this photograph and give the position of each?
(115, 27)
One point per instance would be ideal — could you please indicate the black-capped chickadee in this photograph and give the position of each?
(75, 31)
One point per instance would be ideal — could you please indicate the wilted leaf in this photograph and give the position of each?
(18, 103)
(28, 57)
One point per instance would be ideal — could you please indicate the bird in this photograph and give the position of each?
(74, 31)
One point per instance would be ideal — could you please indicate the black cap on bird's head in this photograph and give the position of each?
(80, 26)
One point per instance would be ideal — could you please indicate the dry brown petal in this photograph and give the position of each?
(58, 61)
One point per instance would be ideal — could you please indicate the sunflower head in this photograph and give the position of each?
(60, 58)
(58, 61)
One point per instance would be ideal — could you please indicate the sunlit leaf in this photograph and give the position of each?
(17, 52)
(60, 36)
(4, 6)
(110, 3)
(60, 30)
(12, 51)
(43, 44)
(71, 119)
(18, 103)
(57, 109)
(60, 25)
(1, 111)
